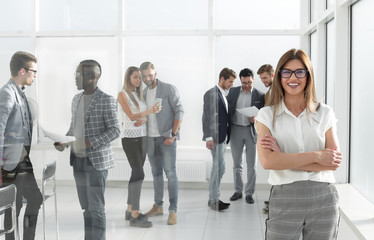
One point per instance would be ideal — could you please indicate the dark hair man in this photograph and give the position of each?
(216, 133)
(243, 133)
(15, 142)
(94, 124)
(266, 73)
(163, 131)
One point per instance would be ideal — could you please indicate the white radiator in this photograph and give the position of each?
(187, 171)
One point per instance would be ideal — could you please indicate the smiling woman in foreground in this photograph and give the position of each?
(298, 143)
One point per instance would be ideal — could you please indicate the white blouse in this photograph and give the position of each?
(305, 133)
(128, 129)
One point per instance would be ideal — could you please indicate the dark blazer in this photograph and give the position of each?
(257, 100)
(216, 122)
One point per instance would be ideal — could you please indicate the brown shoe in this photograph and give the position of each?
(155, 211)
(172, 219)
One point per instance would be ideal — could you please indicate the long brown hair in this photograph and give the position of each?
(277, 91)
(127, 86)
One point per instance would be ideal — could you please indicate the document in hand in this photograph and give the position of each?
(57, 137)
(249, 111)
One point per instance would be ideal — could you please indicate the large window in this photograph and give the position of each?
(70, 15)
(188, 41)
(330, 63)
(16, 16)
(165, 15)
(362, 116)
(254, 14)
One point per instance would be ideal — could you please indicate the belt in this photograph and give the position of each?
(22, 168)
(241, 125)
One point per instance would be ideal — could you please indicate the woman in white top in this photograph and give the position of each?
(133, 114)
(298, 143)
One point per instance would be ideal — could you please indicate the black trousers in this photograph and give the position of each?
(27, 187)
(135, 149)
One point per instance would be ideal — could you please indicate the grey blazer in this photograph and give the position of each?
(12, 119)
(257, 99)
(171, 108)
(101, 128)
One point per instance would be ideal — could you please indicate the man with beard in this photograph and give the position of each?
(266, 73)
(216, 133)
(163, 131)
(15, 143)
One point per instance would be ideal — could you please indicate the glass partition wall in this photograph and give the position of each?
(188, 41)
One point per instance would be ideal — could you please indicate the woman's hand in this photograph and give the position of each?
(269, 142)
(140, 122)
(329, 158)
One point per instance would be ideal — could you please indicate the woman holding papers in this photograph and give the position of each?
(133, 114)
(298, 143)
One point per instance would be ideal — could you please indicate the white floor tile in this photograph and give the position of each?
(195, 220)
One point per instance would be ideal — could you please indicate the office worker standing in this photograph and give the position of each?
(298, 143)
(94, 124)
(133, 112)
(163, 131)
(216, 133)
(16, 134)
(243, 133)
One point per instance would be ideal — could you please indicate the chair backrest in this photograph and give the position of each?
(7, 196)
(8, 200)
(49, 171)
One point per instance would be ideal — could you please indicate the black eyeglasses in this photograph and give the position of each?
(32, 70)
(287, 73)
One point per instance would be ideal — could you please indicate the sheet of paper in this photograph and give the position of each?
(57, 137)
(249, 111)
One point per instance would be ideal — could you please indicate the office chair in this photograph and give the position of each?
(48, 175)
(8, 201)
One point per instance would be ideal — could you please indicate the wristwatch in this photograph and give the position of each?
(173, 134)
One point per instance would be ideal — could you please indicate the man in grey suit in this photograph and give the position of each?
(243, 133)
(163, 131)
(216, 133)
(15, 142)
(94, 124)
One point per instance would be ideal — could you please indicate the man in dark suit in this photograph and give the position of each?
(243, 133)
(216, 129)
